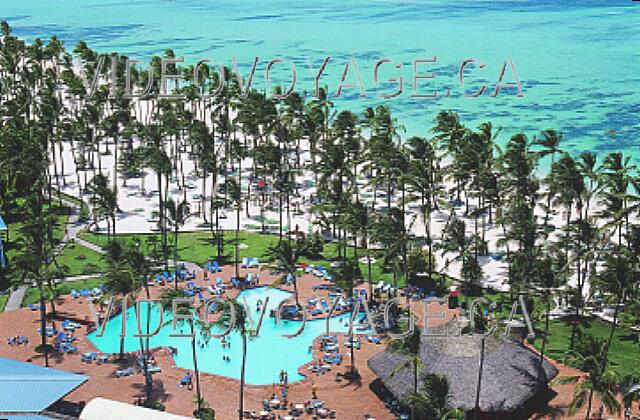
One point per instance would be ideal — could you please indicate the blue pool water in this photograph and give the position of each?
(577, 59)
(267, 354)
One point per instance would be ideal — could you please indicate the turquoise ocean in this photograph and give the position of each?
(578, 61)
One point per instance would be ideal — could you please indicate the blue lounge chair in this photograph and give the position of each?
(186, 379)
(89, 357)
(124, 372)
(49, 331)
(374, 339)
(68, 348)
(216, 267)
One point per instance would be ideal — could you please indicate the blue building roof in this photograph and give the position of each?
(3, 225)
(26, 388)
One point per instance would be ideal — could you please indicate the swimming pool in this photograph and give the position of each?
(267, 354)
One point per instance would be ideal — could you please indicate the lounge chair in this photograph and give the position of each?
(89, 357)
(124, 372)
(186, 379)
(49, 331)
(68, 348)
(216, 267)
(374, 339)
(325, 305)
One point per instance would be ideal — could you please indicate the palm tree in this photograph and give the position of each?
(616, 179)
(347, 274)
(619, 278)
(167, 298)
(550, 144)
(589, 356)
(569, 186)
(285, 255)
(423, 175)
(128, 267)
(242, 327)
(120, 281)
(389, 229)
(158, 160)
(433, 400)
(104, 200)
(409, 346)
(177, 215)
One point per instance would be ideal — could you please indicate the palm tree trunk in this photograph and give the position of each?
(194, 355)
(175, 255)
(163, 234)
(589, 403)
(546, 332)
(242, 371)
(43, 325)
(612, 331)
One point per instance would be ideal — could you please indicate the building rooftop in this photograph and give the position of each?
(26, 388)
(511, 372)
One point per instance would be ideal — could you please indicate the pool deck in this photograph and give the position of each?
(350, 400)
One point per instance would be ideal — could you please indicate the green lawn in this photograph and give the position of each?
(76, 260)
(197, 247)
(624, 354)
(14, 246)
(3, 302)
(33, 294)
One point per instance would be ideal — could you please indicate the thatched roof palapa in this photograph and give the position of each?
(511, 375)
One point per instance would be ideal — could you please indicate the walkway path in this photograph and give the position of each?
(74, 226)
(15, 298)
